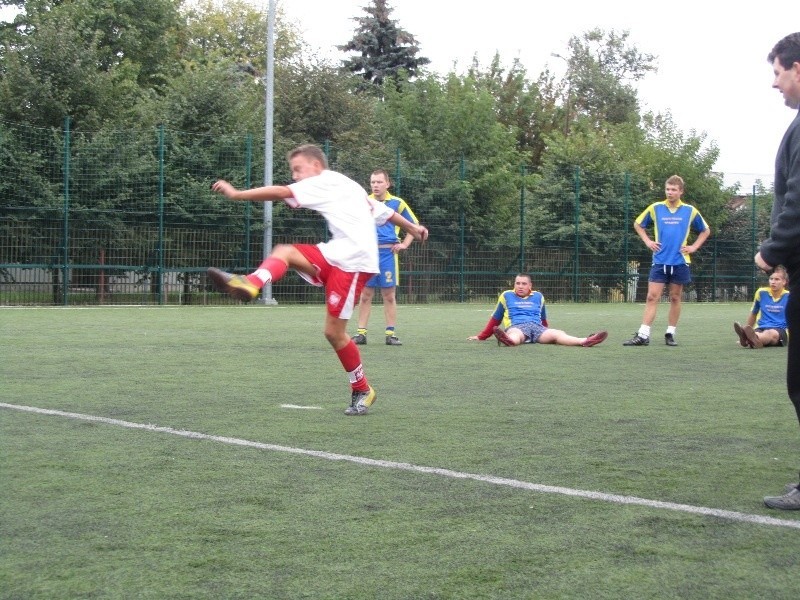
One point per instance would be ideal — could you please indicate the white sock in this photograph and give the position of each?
(644, 331)
(263, 275)
(671, 329)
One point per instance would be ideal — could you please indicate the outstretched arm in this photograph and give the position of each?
(419, 232)
(487, 331)
(259, 194)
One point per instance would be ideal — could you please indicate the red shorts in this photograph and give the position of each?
(342, 288)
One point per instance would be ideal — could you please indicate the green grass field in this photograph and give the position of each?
(440, 492)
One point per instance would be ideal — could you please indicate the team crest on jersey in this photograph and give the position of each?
(334, 299)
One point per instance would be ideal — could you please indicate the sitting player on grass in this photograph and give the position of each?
(522, 313)
(768, 314)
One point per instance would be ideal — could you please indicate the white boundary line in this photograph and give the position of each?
(385, 464)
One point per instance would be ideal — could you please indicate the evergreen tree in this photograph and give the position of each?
(384, 48)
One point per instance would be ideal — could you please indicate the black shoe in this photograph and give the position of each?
(637, 340)
(669, 339)
(360, 339)
(790, 501)
(392, 340)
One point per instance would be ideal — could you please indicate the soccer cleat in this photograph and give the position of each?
(669, 339)
(392, 340)
(360, 339)
(236, 286)
(752, 338)
(789, 487)
(743, 341)
(789, 501)
(637, 340)
(360, 401)
(502, 338)
(594, 338)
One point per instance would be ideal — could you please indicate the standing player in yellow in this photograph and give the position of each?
(672, 221)
(389, 247)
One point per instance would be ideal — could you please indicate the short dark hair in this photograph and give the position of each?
(383, 172)
(311, 152)
(787, 51)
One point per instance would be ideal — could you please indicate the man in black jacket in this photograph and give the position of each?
(783, 244)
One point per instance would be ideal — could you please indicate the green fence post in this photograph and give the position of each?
(65, 259)
(625, 239)
(160, 247)
(248, 210)
(398, 180)
(462, 236)
(753, 243)
(523, 172)
(576, 268)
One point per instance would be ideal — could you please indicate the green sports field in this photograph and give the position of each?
(203, 453)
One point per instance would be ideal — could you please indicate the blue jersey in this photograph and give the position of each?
(513, 310)
(389, 233)
(671, 227)
(771, 312)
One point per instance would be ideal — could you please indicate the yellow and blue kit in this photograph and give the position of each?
(770, 311)
(388, 236)
(671, 229)
(389, 233)
(513, 310)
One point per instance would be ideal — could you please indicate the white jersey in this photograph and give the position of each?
(350, 215)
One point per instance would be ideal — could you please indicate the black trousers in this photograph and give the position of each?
(793, 361)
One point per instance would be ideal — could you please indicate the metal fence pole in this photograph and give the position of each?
(160, 247)
(248, 206)
(269, 103)
(625, 235)
(754, 241)
(65, 256)
(576, 268)
(462, 173)
(523, 171)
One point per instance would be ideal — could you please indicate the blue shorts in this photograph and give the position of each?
(389, 275)
(532, 331)
(679, 274)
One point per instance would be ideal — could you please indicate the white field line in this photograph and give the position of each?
(386, 464)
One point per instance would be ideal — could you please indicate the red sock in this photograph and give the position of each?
(350, 358)
(276, 268)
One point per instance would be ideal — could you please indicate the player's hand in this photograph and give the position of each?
(473, 338)
(421, 234)
(761, 263)
(224, 188)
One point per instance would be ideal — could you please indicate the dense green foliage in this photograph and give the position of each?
(472, 139)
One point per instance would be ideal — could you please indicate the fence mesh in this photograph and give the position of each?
(128, 218)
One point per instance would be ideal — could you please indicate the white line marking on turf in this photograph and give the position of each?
(303, 407)
(386, 464)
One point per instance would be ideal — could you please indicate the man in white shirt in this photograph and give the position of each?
(342, 265)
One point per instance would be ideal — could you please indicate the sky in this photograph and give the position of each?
(713, 75)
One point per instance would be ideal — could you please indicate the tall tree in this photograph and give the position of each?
(602, 68)
(384, 48)
(90, 59)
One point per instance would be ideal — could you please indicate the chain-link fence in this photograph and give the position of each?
(128, 218)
